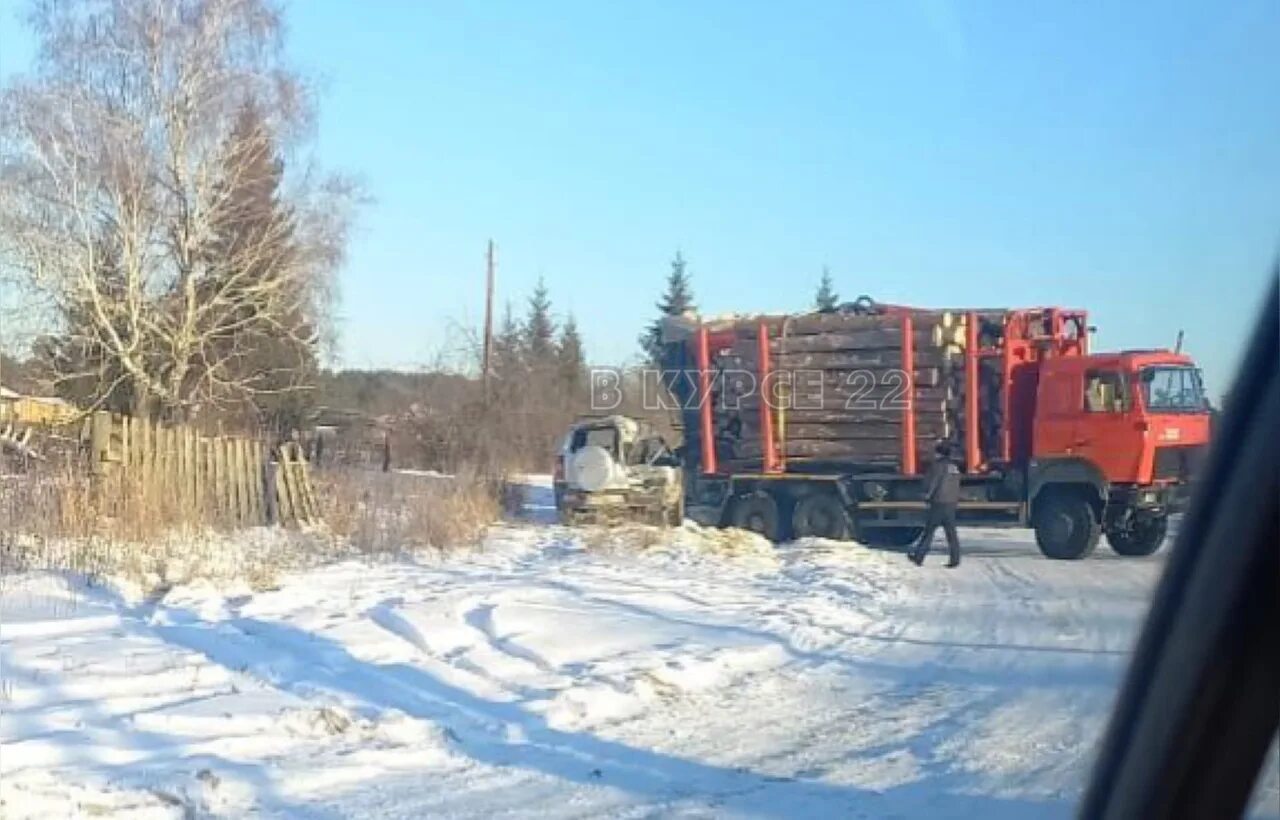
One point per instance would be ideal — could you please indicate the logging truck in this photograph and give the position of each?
(823, 424)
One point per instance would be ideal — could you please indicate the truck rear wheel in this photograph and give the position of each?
(820, 516)
(1067, 526)
(758, 513)
(1143, 537)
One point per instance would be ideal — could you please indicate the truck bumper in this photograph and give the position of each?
(1151, 501)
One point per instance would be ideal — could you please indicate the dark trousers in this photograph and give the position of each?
(943, 515)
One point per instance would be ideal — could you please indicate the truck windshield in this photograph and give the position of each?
(1172, 389)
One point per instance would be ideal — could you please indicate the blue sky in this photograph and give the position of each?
(1121, 157)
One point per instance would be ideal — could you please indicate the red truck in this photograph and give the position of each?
(1081, 443)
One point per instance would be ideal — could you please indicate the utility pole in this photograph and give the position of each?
(1177, 347)
(487, 363)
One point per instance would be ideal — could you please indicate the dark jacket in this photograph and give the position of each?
(942, 484)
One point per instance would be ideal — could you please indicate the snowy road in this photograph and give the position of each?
(569, 674)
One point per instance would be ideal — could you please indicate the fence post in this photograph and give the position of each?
(99, 443)
(242, 482)
(284, 483)
(270, 478)
(126, 444)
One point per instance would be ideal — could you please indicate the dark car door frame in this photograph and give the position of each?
(1201, 701)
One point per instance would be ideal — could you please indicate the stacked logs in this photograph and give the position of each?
(841, 386)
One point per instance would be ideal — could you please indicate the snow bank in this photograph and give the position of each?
(558, 673)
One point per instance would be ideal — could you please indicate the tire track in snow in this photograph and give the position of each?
(480, 618)
(384, 615)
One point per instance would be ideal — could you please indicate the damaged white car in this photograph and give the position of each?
(615, 468)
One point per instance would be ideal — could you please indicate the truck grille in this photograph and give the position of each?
(1181, 463)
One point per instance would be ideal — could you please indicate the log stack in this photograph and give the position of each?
(840, 389)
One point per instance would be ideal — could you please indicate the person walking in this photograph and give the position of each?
(942, 492)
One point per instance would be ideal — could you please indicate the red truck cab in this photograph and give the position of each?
(1122, 432)
(1140, 416)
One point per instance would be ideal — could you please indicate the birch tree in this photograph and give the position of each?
(124, 164)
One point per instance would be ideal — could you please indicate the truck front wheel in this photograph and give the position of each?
(1142, 537)
(1067, 526)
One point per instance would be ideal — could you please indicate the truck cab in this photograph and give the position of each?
(1124, 432)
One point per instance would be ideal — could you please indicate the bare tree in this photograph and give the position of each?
(126, 151)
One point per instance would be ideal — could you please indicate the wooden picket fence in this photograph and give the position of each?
(233, 479)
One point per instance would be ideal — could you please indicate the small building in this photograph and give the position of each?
(8, 399)
(44, 411)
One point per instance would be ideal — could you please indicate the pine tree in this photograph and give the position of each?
(539, 327)
(677, 299)
(826, 299)
(571, 357)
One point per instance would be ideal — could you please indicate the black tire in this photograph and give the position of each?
(758, 513)
(889, 536)
(1143, 538)
(1067, 527)
(820, 516)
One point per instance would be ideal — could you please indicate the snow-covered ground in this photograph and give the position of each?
(561, 673)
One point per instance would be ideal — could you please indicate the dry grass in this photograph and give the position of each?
(67, 503)
(58, 520)
(391, 512)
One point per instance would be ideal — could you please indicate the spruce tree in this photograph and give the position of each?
(539, 327)
(571, 357)
(277, 370)
(677, 299)
(826, 298)
(84, 371)
(507, 353)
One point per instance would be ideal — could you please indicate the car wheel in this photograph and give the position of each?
(675, 514)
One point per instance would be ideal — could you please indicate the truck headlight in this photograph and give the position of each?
(1148, 497)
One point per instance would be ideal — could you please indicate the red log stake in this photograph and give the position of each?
(704, 406)
(972, 452)
(770, 452)
(909, 409)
